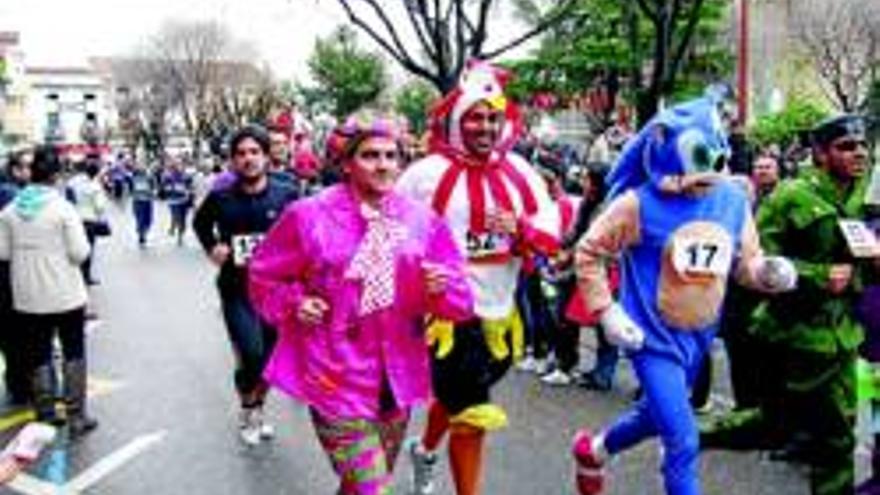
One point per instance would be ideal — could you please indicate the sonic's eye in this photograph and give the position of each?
(701, 157)
(695, 154)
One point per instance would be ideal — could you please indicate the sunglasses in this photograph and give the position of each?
(850, 144)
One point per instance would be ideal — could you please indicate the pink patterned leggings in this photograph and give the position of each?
(362, 451)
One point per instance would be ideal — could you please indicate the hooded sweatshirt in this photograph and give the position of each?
(42, 237)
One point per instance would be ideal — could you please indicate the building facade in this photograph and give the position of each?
(15, 125)
(69, 106)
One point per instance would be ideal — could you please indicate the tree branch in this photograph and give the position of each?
(460, 50)
(402, 58)
(389, 27)
(650, 13)
(686, 37)
(479, 36)
(418, 28)
(550, 20)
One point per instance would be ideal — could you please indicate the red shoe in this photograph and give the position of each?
(589, 473)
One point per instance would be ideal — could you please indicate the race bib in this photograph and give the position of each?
(860, 238)
(141, 186)
(872, 192)
(488, 245)
(243, 247)
(700, 256)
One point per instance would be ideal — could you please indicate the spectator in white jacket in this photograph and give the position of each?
(43, 238)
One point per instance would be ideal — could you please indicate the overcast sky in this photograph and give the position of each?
(66, 32)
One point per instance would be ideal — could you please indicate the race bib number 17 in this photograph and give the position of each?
(701, 257)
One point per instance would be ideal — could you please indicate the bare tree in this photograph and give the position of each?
(245, 94)
(444, 33)
(192, 78)
(142, 99)
(841, 38)
(186, 55)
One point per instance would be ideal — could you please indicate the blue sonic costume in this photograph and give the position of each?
(679, 228)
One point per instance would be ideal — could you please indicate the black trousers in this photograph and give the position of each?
(39, 330)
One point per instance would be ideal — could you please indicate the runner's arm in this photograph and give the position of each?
(457, 301)
(616, 228)
(204, 222)
(276, 271)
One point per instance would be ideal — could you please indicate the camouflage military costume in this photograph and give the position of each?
(813, 331)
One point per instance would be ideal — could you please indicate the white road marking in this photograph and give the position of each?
(31, 485)
(114, 461)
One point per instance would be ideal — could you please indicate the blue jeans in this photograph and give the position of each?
(179, 212)
(607, 357)
(143, 217)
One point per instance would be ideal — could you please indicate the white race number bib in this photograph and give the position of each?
(698, 256)
(243, 247)
(488, 244)
(860, 238)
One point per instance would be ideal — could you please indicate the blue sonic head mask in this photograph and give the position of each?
(686, 139)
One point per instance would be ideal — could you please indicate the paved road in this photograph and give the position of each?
(164, 396)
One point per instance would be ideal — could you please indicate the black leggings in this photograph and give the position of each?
(252, 341)
(40, 329)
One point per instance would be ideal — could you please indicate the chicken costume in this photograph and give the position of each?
(466, 189)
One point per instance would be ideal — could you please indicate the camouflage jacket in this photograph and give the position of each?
(800, 221)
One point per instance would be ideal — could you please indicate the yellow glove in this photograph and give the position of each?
(496, 331)
(441, 332)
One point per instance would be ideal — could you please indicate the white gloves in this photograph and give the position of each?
(777, 274)
(620, 330)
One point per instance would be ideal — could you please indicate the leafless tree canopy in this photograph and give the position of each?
(198, 72)
(842, 40)
(442, 34)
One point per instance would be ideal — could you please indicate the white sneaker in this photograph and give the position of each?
(528, 364)
(557, 378)
(424, 466)
(267, 431)
(542, 366)
(249, 427)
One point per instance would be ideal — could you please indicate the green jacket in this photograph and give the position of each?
(799, 221)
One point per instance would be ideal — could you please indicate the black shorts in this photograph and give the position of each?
(463, 377)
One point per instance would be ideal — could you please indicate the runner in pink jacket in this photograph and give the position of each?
(349, 277)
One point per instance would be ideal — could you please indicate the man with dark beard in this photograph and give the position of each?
(230, 223)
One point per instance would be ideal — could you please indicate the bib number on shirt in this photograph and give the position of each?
(488, 245)
(860, 238)
(243, 247)
(696, 257)
(141, 187)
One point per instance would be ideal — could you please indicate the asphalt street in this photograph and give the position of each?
(162, 389)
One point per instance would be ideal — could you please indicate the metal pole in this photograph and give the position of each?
(742, 76)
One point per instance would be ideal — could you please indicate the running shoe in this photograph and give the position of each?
(528, 364)
(589, 472)
(424, 465)
(249, 426)
(557, 378)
